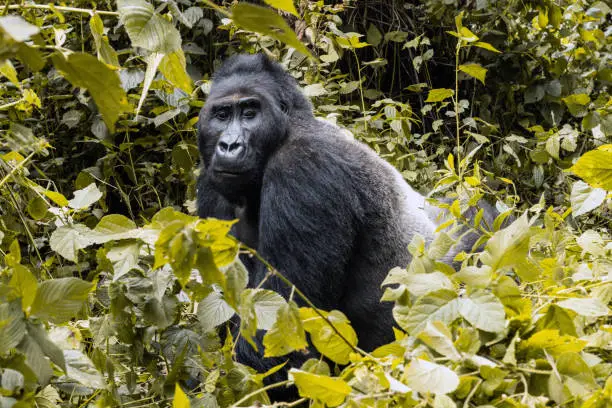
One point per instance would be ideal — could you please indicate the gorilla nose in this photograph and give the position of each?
(229, 150)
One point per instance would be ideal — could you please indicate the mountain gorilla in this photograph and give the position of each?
(325, 210)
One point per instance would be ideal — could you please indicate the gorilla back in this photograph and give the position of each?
(325, 210)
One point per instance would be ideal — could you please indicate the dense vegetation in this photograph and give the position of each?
(111, 290)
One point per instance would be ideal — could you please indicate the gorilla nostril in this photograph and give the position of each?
(235, 147)
(224, 146)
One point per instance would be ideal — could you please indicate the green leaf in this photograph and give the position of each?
(509, 246)
(38, 333)
(69, 239)
(85, 71)
(85, 197)
(325, 338)
(328, 390)
(419, 284)
(124, 258)
(213, 311)
(440, 305)
(237, 278)
(287, 333)
(172, 66)
(576, 104)
(8, 70)
(585, 198)
(24, 284)
(59, 300)
(12, 325)
(105, 52)
(114, 225)
(589, 307)
(438, 337)
(266, 304)
(285, 5)
(440, 94)
(81, 369)
(35, 359)
(265, 21)
(474, 70)
(484, 311)
(427, 377)
(595, 167)
(146, 28)
(37, 208)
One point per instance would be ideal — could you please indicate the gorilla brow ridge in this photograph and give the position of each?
(258, 72)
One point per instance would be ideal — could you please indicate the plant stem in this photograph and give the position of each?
(275, 272)
(217, 8)
(259, 391)
(59, 8)
(456, 101)
(17, 167)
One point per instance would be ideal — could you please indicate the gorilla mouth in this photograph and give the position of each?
(228, 173)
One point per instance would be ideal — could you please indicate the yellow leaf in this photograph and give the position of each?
(180, 399)
(172, 66)
(486, 46)
(472, 181)
(543, 18)
(467, 35)
(595, 167)
(331, 391)
(285, 5)
(440, 94)
(474, 70)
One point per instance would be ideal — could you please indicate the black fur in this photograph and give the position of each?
(325, 210)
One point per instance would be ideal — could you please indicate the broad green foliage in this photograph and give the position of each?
(112, 293)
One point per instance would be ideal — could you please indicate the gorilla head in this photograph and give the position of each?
(244, 120)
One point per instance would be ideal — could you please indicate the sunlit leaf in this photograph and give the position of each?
(146, 28)
(287, 333)
(438, 95)
(595, 167)
(330, 391)
(427, 377)
(85, 197)
(58, 300)
(474, 70)
(285, 5)
(213, 311)
(585, 198)
(265, 21)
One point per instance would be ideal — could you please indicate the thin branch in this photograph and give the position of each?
(59, 8)
(259, 391)
(275, 272)
(217, 8)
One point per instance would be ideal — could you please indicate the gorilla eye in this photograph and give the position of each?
(249, 113)
(222, 114)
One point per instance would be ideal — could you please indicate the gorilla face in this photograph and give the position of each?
(238, 132)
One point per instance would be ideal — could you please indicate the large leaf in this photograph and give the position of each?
(213, 311)
(325, 338)
(86, 71)
(69, 239)
(17, 28)
(265, 21)
(146, 28)
(438, 95)
(589, 307)
(330, 391)
(484, 311)
(266, 304)
(85, 197)
(59, 300)
(441, 305)
(173, 68)
(287, 333)
(474, 70)
(12, 325)
(80, 368)
(585, 198)
(427, 377)
(285, 5)
(595, 167)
